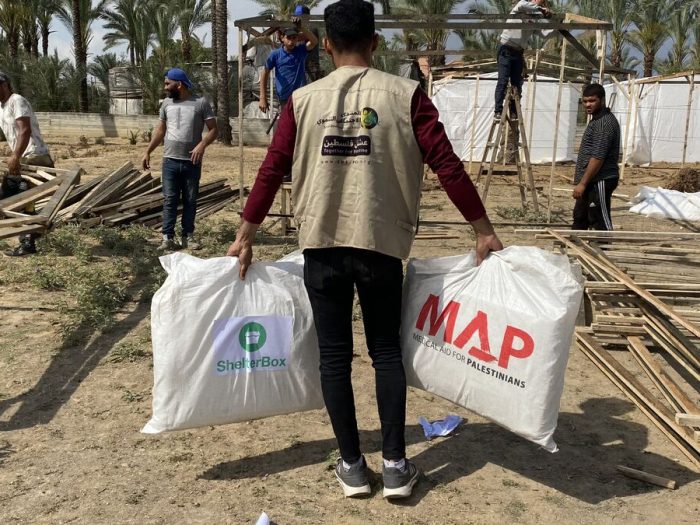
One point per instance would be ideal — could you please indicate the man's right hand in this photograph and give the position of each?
(263, 105)
(146, 161)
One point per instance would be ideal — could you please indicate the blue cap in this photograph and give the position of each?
(179, 75)
(301, 10)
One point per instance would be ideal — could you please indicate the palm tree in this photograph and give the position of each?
(11, 24)
(190, 15)
(78, 16)
(680, 25)
(432, 38)
(130, 22)
(650, 18)
(223, 109)
(164, 29)
(100, 66)
(46, 9)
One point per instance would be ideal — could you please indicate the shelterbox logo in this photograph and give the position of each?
(252, 344)
(252, 337)
(516, 343)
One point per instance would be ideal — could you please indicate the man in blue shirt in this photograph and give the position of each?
(289, 64)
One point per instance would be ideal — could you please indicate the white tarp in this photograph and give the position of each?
(455, 99)
(657, 120)
(661, 203)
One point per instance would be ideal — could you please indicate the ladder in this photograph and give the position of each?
(499, 128)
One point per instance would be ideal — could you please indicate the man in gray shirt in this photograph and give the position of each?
(182, 119)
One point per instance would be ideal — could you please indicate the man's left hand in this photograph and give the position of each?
(197, 154)
(579, 189)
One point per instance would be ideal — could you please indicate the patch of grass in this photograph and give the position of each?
(518, 214)
(515, 509)
(510, 483)
(100, 141)
(133, 136)
(83, 141)
(131, 397)
(128, 351)
(65, 241)
(49, 275)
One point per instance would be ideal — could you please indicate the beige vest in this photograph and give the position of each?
(357, 168)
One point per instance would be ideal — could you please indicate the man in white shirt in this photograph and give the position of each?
(510, 51)
(21, 129)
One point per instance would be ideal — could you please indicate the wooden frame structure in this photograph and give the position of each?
(563, 24)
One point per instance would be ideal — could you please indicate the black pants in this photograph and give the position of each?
(510, 68)
(592, 210)
(330, 276)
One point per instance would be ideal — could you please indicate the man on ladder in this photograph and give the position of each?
(510, 51)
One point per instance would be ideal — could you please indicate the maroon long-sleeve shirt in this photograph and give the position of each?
(431, 137)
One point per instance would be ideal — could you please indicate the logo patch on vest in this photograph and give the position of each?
(346, 146)
(369, 118)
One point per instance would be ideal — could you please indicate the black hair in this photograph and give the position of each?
(594, 90)
(350, 24)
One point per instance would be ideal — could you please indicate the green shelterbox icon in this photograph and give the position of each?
(252, 337)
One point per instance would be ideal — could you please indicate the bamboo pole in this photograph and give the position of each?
(687, 117)
(241, 180)
(532, 102)
(604, 45)
(474, 115)
(630, 103)
(556, 130)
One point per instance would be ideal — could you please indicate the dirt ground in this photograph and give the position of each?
(71, 451)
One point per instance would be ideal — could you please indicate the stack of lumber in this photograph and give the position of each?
(643, 300)
(120, 197)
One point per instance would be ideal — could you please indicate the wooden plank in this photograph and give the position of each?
(21, 221)
(34, 194)
(611, 268)
(649, 478)
(673, 393)
(31, 228)
(689, 420)
(640, 396)
(104, 182)
(69, 182)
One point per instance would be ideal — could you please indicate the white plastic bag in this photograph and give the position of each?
(495, 338)
(226, 350)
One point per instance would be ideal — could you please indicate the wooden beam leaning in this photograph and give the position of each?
(676, 397)
(32, 195)
(661, 416)
(50, 210)
(611, 268)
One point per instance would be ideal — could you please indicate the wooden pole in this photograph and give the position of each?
(687, 117)
(604, 45)
(532, 101)
(474, 115)
(556, 130)
(649, 478)
(630, 102)
(241, 149)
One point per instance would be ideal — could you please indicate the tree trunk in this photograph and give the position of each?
(45, 39)
(35, 45)
(648, 64)
(80, 56)
(223, 108)
(13, 44)
(215, 84)
(186, 45)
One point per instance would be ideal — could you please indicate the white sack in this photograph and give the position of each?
(495, 338)
(226, 350)
(661, 203)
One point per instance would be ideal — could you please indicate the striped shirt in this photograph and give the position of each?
(602, 141)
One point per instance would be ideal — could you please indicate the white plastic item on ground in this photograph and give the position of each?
(226, 350)
(494, 339)
(661, 203)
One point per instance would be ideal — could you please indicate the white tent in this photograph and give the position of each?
(466, 109)
(660, 111)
